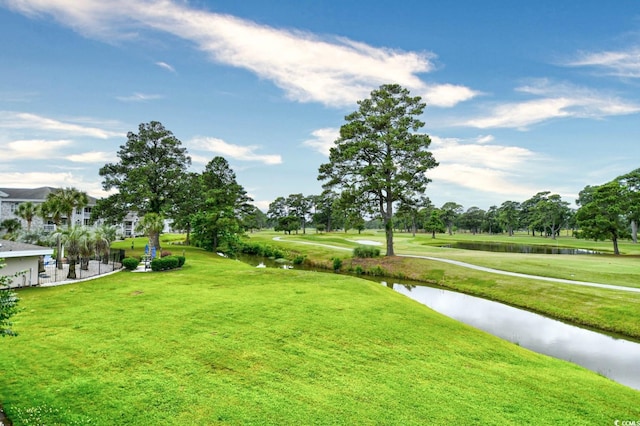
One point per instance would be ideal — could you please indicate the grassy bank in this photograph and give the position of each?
(602, 309)
(221, 342)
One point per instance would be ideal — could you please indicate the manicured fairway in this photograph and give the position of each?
(221, 342)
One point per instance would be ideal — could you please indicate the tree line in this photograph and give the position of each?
(376, 176)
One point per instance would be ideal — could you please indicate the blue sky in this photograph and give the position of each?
(521, 97)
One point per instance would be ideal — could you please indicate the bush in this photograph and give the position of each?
(165, 253)
(366, 251)
(337, 263)
(181, 260)
(130, 263)
(299, 259)
(358, 270)
(377, 271)
(164, 263)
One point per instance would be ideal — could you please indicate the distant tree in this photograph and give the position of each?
(27, 211)
(148, 175)
(472, 219)
(410, 211)
(152, 225)
(379, 155)
(551, 212)
(324, 210)
(491, 222)
(602, 213)
(435, 223)
(8, 304)
(300, 206)
(278, 209)
(450, 211)
(254, 219)
(509, 215)
(288, 224)
(530, 214)
(631, 183)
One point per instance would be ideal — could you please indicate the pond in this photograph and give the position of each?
(517, 248)
(615, 358)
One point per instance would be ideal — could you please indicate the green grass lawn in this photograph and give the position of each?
(219, 341)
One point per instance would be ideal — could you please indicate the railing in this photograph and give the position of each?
(51, 274)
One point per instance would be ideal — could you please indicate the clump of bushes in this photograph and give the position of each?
(167, 263)
(366, 251)
(257, 249)
(299, 259)
(130, 263)
(165, 253)
(337, 263)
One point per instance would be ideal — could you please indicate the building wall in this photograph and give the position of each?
(18, 264)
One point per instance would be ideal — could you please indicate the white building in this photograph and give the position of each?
(23, 259)
(10, 199)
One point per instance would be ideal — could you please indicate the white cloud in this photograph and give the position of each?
(323, 139)
(477, 165)
(448, 95)
(335, 71)
(617, 63)
(93, 157)
(32, 149)
(138, 97)
(557, 101)
(165, 66)
(23, 120)
(237, 152)
(37, 179)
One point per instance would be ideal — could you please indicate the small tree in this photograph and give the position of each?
(8, 304)
(27, 211)
(152, 225)
(73, 239)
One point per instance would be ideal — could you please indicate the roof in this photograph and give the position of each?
(16, 249)
(2, 194)
(33, 194)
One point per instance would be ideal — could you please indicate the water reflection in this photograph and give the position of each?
(518, 248)
(617, 359)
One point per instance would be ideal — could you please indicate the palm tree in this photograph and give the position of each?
(51, 209)
(73, 239)
(27, 211)
(103, 236)
(152, 225)
(69, 199)
(12, 226)
(87, 249)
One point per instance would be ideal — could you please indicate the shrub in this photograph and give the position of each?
(366, 251)
(358, 270)
(130, 263)
(337, 263)
(165, 263)
(165, 253)
(299, 259)
(171, 262)
(181, 260)
(377, 271)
